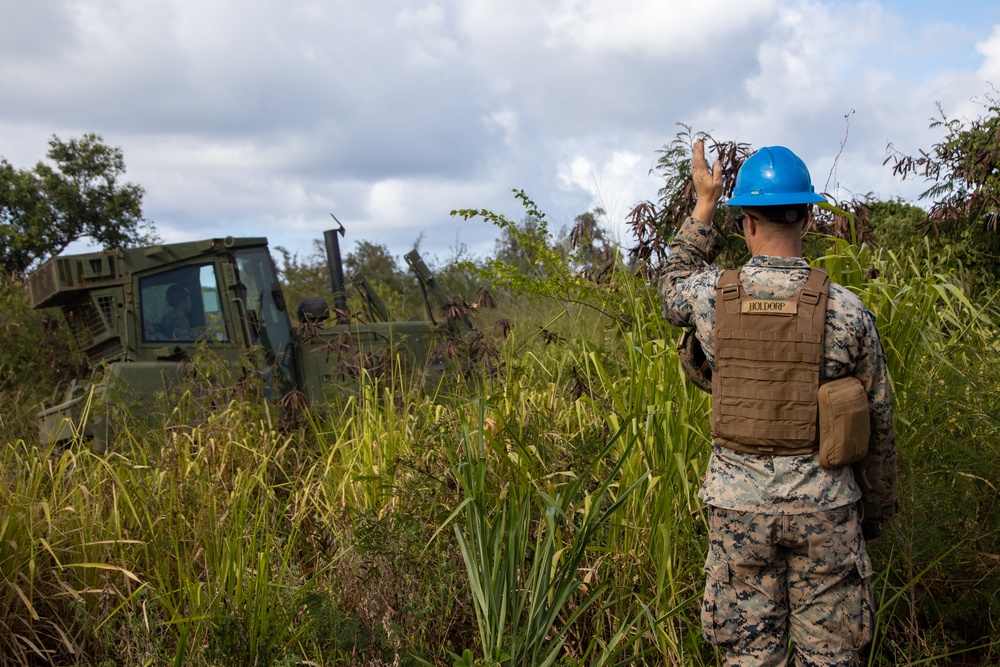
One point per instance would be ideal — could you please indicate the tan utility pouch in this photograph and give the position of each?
(844, 426)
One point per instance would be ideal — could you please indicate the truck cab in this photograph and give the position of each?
(139, 313)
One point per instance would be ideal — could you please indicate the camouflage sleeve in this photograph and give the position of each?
(694, 248)
(877, 473)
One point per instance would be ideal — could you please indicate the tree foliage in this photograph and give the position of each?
(585, 248)
(378, 265)
(897, 224)
(963, 170)
(303, 277)
(531, 262)
(518, 243)
(37, 349)
(44, 209)
(589, 247)
(392, 280)
(654, 224)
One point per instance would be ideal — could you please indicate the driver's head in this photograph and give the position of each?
(176, 294)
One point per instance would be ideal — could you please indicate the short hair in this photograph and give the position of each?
(175, 293)
(782, 213)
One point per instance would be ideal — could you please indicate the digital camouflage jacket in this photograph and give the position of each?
(787, 484)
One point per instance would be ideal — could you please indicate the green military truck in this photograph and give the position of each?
(139, 314)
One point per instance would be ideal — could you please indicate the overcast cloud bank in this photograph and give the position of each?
(260, 118)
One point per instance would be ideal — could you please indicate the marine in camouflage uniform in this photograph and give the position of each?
(787, 557)
(175, 324)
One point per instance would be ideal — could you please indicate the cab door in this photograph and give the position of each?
(178, 311)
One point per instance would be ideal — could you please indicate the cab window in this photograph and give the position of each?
(182, 305)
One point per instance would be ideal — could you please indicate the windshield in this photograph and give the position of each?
(268, 319)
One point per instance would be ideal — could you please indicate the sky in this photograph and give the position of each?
(261, 118)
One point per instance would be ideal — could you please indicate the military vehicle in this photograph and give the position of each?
(140, 314)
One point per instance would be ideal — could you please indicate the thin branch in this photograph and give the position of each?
(847, 132)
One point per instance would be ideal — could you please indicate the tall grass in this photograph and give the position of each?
(919, 309)
(660, 547)
(525, 544)
(544, 515)
(183, 545)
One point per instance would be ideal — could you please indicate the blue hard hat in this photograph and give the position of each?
(773, 176)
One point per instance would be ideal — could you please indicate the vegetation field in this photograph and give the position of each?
(539, 508)
(543, 513)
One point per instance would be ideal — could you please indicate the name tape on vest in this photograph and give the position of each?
(768, 307)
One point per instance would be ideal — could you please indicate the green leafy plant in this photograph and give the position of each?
(523, 558)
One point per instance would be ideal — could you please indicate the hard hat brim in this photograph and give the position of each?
(775, 199)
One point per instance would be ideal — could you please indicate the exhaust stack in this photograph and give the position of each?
(336, 266)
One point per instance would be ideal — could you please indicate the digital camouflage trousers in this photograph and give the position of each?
(775, 578)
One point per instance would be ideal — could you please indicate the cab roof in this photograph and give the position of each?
(62, 278)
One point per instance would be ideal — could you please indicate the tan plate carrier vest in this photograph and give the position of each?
(768, 364)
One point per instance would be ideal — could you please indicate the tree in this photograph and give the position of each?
(303, 278)
(897, 224)
(587, 246)
(517, 244)
(377, 264)
(529, 262)
(37, 350)
(963, 170)
(395, 285)
(44, 209)
(654, 224)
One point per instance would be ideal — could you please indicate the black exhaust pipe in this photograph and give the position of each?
(336, 266)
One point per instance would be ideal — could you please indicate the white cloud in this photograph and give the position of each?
(617, 173)
(835, 83)
(426, 33)
(653, 28)
(990, 50)
(387, 200)
(614, 184)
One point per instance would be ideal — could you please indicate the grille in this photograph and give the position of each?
(65, 268)
(85, 322)
(107, 305)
